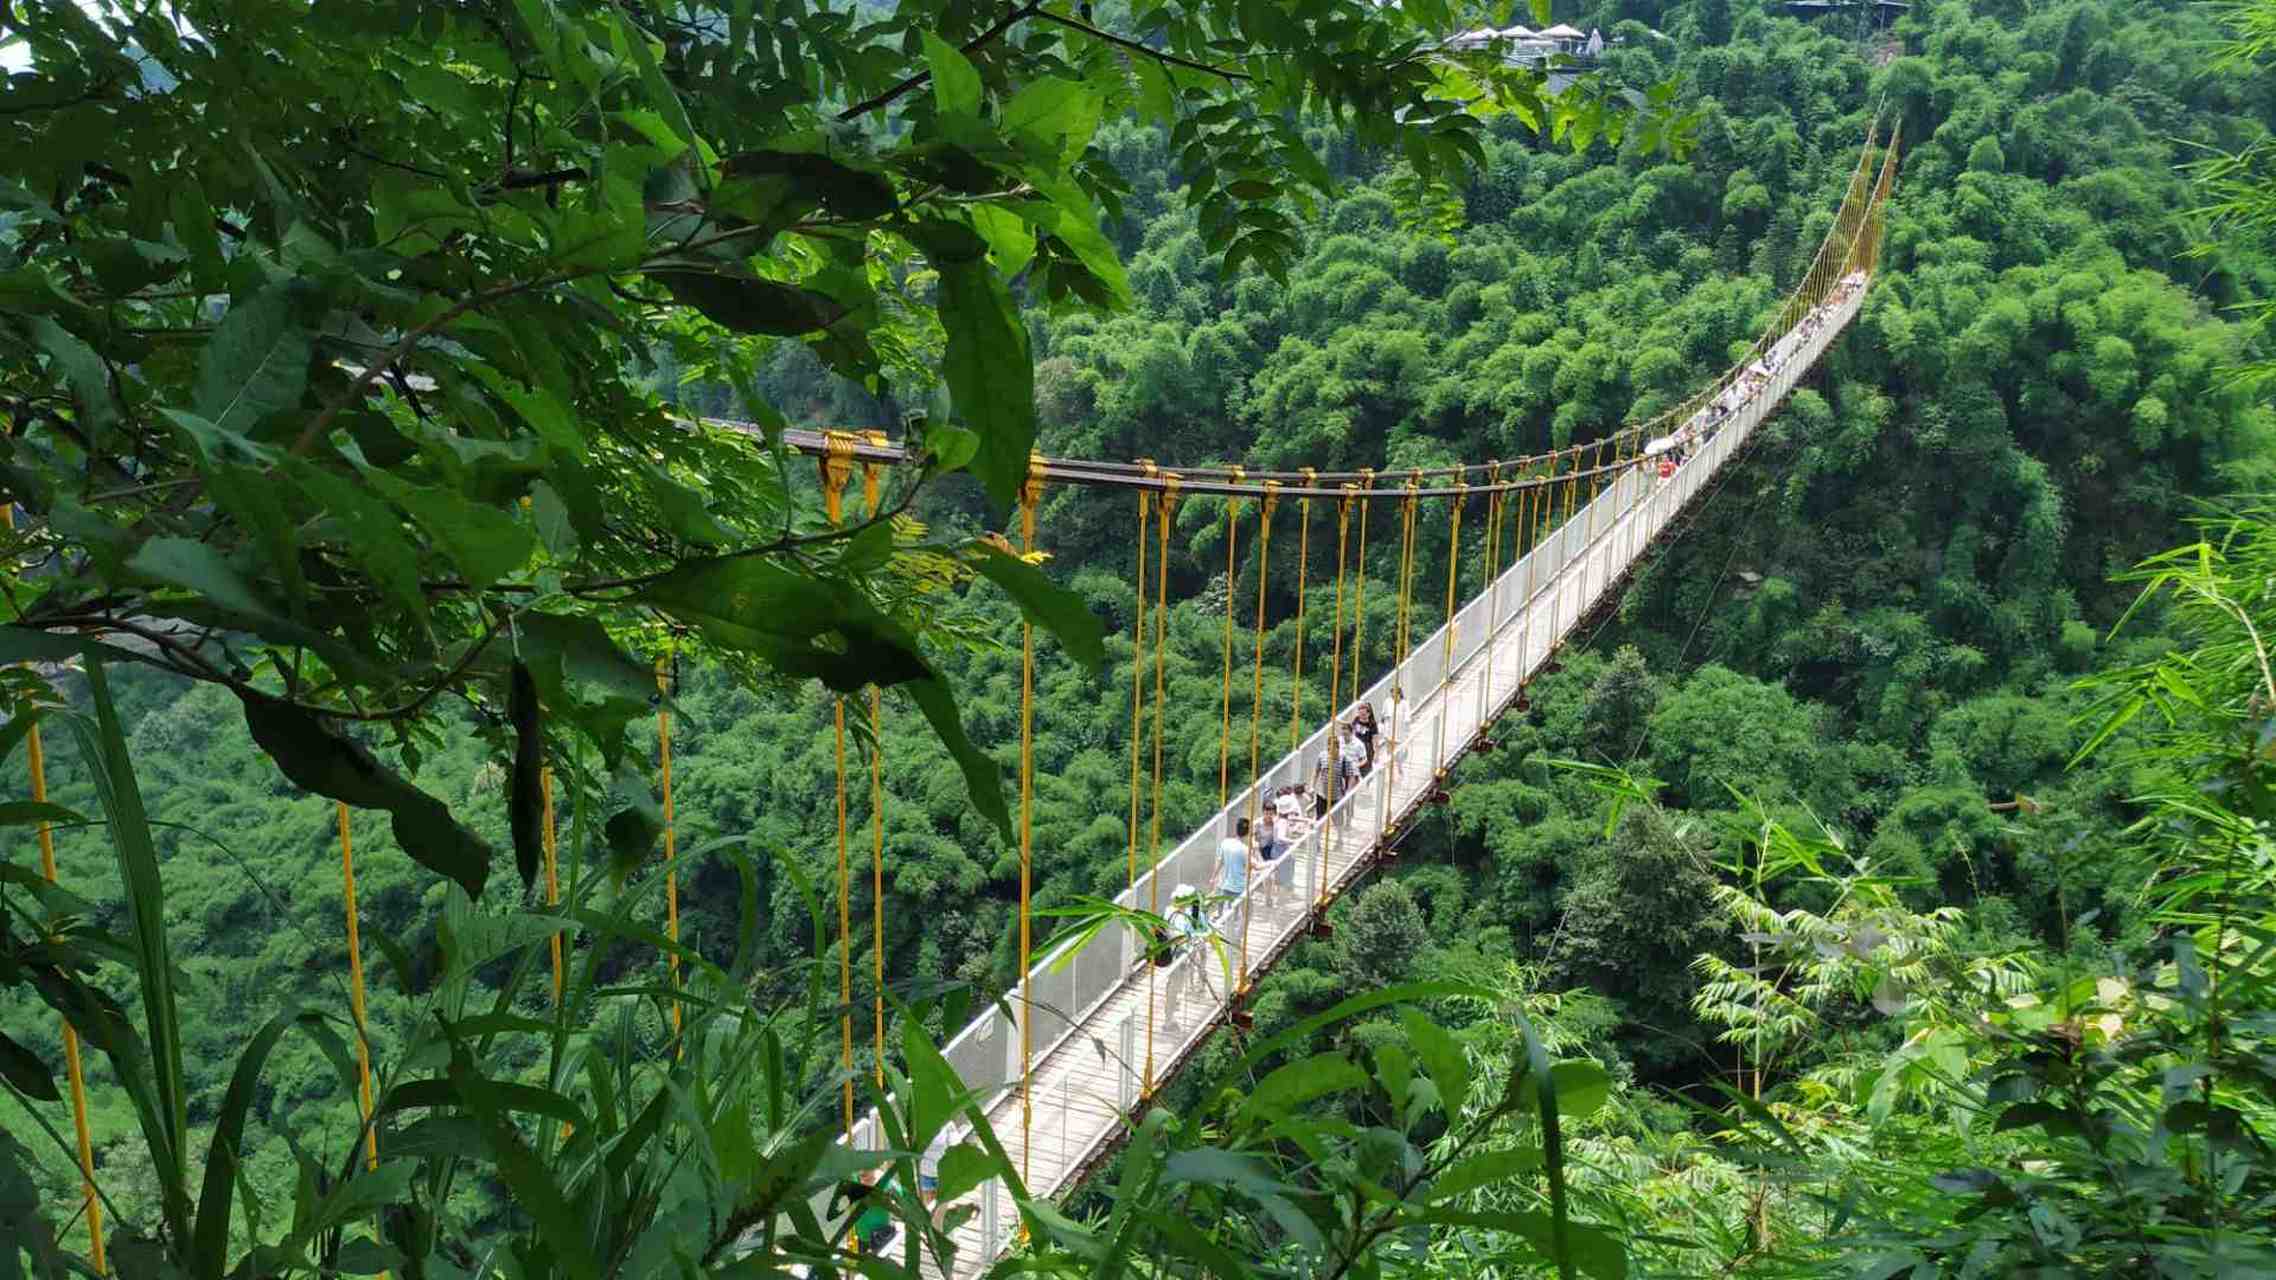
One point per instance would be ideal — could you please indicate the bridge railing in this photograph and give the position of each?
(1417, 700)
(1068, 987)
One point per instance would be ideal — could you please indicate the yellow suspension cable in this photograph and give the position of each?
(1359, 602)
(1335, 696)
(74, 1070)
(1165, 509)
(1399, 656)
(870, 501)
(837, 469)
(1572, 484)
(1494, 515)
(1256, 702)
(1303, 570)
(356, 996)
(73, 1067)
(845, 923)
(1225, 715)
(1446, 656)
(1138, 677)
(1029, 494)
(356, 987)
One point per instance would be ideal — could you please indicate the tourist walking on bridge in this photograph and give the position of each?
(1190, 932)
(1234, 855)
(1364, 728)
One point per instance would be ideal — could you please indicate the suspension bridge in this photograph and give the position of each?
(1067, 1060)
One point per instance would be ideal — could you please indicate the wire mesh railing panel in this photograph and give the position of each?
(1432, 706)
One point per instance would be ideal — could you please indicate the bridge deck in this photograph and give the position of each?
(1108, 1028)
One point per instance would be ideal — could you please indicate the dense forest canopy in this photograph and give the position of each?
(1853, 700)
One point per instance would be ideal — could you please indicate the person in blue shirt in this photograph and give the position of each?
(1233, 857)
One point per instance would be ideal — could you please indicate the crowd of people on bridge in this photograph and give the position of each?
(1669, 452)
(1255, 847)
(1259, 851)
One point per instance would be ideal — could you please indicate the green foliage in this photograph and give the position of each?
(1381, 936)
(1869, 633)
(331, 405)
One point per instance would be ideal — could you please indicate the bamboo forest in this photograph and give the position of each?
(1152, 639)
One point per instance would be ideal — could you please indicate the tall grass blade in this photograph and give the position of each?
(103, 745)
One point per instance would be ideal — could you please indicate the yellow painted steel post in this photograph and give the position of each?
(845, 925)
(1138, 676)
(1165, 511)
(1232, 570)
(74, 1070)
(837, 468)
(871, 500)
(73, 1067)
(356, 987)
(1029, 494)
(1359, 593)
(1490, 589)
(1335, 702)
(1303, 571)
(1446, 656)
(1256, 708)
(1389, 767)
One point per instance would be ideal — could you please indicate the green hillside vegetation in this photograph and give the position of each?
(1884, 886)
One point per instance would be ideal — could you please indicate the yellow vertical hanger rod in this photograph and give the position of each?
(1165, 511)
(1029, 494)
(1225, 711)
(35, 756)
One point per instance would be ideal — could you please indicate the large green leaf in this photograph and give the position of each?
(565, 1233)
(956, 82)
(801, 624)
(983, 777)
(224, 1167)
(748, 304)
(319, 760)
(165, 1117)
(81, 368)
(1442, 1057)
(370, 532)
(197, 567)
(989, 372)
(1048, 605)
(256, 363)
(1292, 1085)
(484, 542)
(24, 1071)
(1053, 116)
(1485, 1169)
(1597, 1253)
(846, 190)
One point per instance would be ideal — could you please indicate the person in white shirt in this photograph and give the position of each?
(1291, 826)
(1189, 937)
(928, 1169)
(1351, 754)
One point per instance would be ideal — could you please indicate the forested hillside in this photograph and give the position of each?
(1847, 694)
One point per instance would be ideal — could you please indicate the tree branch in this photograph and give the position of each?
(1134, 46)
(1003, 24)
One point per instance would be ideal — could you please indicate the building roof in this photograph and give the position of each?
(1563, 32)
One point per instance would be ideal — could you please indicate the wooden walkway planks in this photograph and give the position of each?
(1140, 1032)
